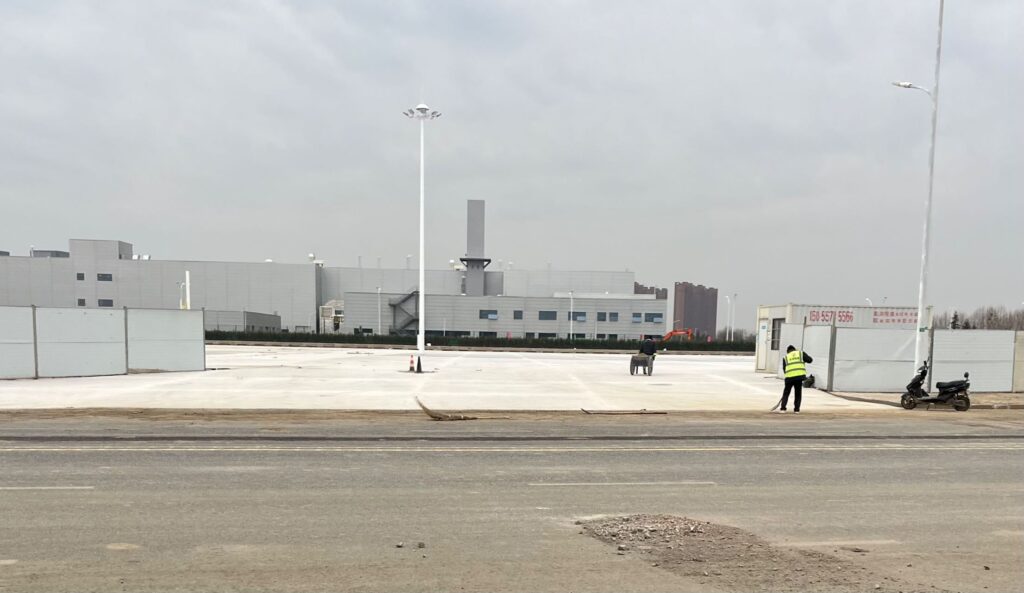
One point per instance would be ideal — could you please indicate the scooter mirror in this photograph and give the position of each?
(966, 375)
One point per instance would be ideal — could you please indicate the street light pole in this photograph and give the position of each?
(728, 317)
(378, 311)
(732, 323)
(922, 324)
(422, 113)
(571, 306)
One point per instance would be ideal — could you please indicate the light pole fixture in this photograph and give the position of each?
(870, 304)
(922, 324)
(422, 113)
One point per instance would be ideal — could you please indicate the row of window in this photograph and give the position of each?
(576, 316)
(99, 302)
(100, 277)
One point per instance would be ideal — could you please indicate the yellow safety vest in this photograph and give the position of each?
(795, 364)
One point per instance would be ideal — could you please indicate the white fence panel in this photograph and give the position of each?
(818, 344)
(792, 333)
(17, 349)
(869, 360)
(986, 354)
(80, 342)
(166, 340)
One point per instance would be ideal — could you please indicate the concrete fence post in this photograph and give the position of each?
(931, 354)
(204, 336)
(831, 359)
(35, 345)
(126, 367)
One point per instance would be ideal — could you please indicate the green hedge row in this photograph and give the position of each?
(694, 345)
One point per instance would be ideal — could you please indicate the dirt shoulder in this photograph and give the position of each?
(980, 401)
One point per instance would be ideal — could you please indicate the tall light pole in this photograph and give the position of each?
(922, 324)
(422, 113)
(732, 324)
(571, 315)
(728, 317)
(378, 312)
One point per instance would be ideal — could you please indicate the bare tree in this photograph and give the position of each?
(982, 318)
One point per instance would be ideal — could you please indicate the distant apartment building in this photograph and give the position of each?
(696, 308)
(659, 293)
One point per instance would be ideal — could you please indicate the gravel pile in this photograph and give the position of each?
(726, 558)
(638, 529)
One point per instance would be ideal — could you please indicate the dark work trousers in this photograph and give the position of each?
(797, 384)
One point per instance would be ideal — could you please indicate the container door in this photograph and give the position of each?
(762, 344)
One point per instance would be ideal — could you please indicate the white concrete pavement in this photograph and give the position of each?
(249, 377)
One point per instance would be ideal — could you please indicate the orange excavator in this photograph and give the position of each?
(678, 332)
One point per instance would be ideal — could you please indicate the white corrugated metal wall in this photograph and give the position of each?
(882, 360)
(986, 354)
(72, 342)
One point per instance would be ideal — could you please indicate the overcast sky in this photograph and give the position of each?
(755, 146)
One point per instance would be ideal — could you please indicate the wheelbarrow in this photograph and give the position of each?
(641, 361)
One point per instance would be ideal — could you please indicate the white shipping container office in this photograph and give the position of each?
(771, 318)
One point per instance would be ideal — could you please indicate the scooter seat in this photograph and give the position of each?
(950, 384)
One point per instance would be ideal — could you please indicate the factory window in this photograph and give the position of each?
(653, 317)
(488, 334)
(602, 336)
(613, 336)
(547, 315)
(491, 314)
(81, 302)
(613, 316)
(638, 317)
(578, 336)
(546, 336)
(578, 316)
(602, 316)
(517, 314)
(105, 302)
(105, 277)
(80, 276)
(776, 332)
(529, 335)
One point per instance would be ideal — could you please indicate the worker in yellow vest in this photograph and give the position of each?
(795, 373)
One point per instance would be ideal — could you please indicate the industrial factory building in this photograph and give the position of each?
(464, 299)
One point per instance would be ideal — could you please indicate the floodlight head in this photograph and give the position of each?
(422, 112)
(902, 84)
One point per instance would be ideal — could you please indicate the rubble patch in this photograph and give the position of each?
(729, 559)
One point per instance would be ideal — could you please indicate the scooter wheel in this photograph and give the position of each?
(908, 402)
(962, 404)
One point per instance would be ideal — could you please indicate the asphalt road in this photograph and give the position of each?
(107, 503)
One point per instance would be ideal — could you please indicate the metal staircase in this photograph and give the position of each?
(404, 311)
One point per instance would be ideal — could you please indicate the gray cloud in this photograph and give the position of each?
(755, 146)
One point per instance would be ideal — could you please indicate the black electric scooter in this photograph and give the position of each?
(953, 393)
